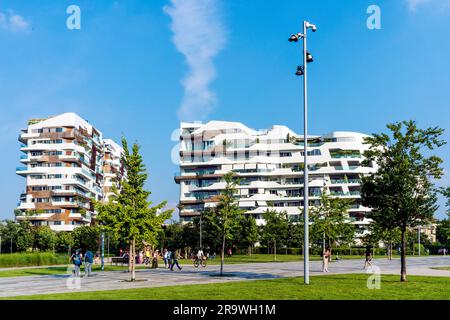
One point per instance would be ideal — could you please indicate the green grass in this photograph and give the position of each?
(331, 287)
(55, 270)
(31, 259)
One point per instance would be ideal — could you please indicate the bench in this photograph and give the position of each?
(117, 260)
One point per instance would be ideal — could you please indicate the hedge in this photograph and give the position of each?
(32, 259)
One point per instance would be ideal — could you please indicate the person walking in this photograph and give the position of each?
(155, 259)
(175, 257)
(77, 261)
(326, 255)
(148, 255)
(88, 260)
(368, 257)
(165, 257)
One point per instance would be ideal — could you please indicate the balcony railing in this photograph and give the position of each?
(21, 168)
(340, 181)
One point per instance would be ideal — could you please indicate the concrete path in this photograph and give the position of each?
(112, 280)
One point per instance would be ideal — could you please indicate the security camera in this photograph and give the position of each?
(314, 28)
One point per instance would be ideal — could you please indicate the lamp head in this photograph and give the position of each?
(293, 38)
(311, 26)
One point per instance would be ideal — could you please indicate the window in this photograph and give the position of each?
(285, 154)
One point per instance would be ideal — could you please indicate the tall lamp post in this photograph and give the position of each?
(302, 71)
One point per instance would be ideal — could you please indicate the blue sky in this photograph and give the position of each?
(136, 69)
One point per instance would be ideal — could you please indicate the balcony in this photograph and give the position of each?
(345, 181)
(21, 170)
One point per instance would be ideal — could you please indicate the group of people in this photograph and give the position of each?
(147, 256)
(77, 259)
(326, 257)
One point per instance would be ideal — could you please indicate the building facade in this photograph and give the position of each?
(270, 166)
(64, 164)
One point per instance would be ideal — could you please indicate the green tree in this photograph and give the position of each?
(389, 237)
(45, 238)
(64, 241)
(443, 232)
(401, 193)
(330, 222)
(129, 214)
(226, 214)
(86, 238)
(210, 230)
(247, 232)
(19, 234)
(275, 230)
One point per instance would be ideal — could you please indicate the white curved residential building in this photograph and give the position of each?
(269, 163)
(64, 162)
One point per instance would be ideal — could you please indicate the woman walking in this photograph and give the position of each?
(326, 255)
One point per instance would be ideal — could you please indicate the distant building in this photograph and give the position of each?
(270, 165)
(66, 164)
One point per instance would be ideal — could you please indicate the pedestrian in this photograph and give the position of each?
(368, 257)
(165, 258)
(175, 257)
(141, 257)
(229, 252)
(148, 255)
(77, 261)
(326, 255)
(169, 258)
(155, 259)
(88, 260)
(97, 258)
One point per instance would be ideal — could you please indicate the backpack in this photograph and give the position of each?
(88, 257)
(76, 260)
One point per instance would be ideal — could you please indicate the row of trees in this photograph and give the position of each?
(22, 237)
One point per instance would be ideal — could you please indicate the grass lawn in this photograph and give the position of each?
(332, 287)
(53, 270)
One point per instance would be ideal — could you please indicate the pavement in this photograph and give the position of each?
(113, 280)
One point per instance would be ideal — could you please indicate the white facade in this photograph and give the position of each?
(63, 164)
(269, 163)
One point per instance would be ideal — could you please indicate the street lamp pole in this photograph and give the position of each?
(201, 231)
(303, 71)
(103, 251)
(305, 157)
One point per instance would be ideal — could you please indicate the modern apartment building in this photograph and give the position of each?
(66, 165)
(270, 165)
(112, 167)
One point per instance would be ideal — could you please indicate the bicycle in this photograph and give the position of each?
(199, 262)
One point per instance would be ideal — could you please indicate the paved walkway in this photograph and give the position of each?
(112, 280)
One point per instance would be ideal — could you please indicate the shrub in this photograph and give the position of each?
(32, 259)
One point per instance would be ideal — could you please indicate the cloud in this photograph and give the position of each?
(414, 4)
(13, 22)
(199, 35)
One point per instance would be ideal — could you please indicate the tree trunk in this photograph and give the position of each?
(403, 255)
(129, 256)
(222, 258)
(390, 250)
(133, 260)
(275, 250)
